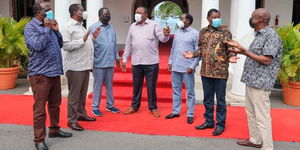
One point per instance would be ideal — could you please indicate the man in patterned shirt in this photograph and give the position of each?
(214, 69)
(260, 70)
(142, 46)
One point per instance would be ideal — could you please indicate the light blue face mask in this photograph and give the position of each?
(50, 15)
(216, 22)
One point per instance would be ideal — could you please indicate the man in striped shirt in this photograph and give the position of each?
(78, 61)
(142, 45)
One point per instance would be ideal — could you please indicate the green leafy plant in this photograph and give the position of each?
(12, 43)
(169, 9)
(290, 62)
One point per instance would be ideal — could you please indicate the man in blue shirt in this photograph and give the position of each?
(186, 38)
(44, 41)
(105, 55)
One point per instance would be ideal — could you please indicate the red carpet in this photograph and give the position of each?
(16, 109)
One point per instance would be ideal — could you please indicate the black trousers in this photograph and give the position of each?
(139, 72)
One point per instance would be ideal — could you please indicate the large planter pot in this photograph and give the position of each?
(8, 77)
(291, 93)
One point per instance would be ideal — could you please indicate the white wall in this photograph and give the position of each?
(123, 8)
(118, 10)
(4, 8)
(225, 11)
(195, 7)
(283, 8)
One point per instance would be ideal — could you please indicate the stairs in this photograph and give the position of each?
(122, 83)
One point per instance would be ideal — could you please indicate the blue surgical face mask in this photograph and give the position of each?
(216, 22)
(50, 15)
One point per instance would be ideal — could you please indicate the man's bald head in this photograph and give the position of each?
(264, 13)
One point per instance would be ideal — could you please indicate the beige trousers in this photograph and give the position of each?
(259, 119)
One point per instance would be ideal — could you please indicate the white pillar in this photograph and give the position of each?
(240, 13)
(206, 6)
(76, 1)
(62, 14)
(92, 8)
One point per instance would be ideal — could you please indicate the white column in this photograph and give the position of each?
(240, 13)
(62, 14)
(206, 6)
(76, 1)
(93, 7)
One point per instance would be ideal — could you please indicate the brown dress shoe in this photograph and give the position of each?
(155, 113)
(248, 143)
(129, 111)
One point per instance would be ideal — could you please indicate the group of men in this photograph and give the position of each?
(96, 50)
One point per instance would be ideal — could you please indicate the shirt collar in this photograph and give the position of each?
(75, 22)
(102, 25)
(263, 30)
(211, 28)
(146, 22)
(37, 21)
(186, 30)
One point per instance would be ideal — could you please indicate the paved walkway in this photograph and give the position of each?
(15, 137)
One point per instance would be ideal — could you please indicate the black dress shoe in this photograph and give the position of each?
(204, 126)
(86, 118)
(75, 126)
(41, 146)
(171, 116)
(190, 120)
(61, 134)
(218, 131)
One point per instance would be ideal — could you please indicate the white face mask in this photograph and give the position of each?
(180, 24)
(138, 17)
(85, 15)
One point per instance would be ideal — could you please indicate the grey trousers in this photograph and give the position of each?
(78, 85)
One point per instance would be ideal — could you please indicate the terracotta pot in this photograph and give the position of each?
(291, 93)
(8, 77)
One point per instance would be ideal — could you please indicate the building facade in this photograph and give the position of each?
(235, 14)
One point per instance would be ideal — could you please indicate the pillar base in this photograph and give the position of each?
(235, 100)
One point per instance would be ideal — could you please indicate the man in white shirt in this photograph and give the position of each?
(78, 62)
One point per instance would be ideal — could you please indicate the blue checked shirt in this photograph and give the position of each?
(105, 46)
(44, 46)
(184, 40)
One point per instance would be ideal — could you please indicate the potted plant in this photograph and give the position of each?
(12, 47)
(289, 73)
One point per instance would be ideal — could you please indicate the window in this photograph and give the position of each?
(259, 4)
(22, 8)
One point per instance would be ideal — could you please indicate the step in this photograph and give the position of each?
(163, 94)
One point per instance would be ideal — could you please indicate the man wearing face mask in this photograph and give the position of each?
(185, 38)
(142, 46)
(259, 75)
(44, 41)
(105, 57)
(214, 70)
(78, 62)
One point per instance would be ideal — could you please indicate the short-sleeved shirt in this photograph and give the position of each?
(255, 74)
